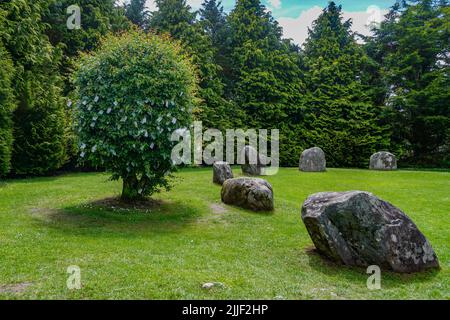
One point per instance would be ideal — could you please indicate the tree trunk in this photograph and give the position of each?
(130, 190)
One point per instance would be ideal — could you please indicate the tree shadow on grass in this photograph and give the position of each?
(352, 274)
(110, 217)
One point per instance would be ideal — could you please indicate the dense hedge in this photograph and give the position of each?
(6, 110)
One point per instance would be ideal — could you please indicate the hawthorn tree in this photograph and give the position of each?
(132, 93)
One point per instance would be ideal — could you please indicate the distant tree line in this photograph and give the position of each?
(389, 91)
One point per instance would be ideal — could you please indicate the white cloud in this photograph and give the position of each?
(276, 4)
(297, 28)
(195, 4)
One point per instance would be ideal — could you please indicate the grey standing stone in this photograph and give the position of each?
(383, 161)
(254, 163)
(221, 172)
(250, 193)
(357, 228)
(313, 160)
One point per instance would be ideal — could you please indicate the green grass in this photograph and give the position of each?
(168, 252)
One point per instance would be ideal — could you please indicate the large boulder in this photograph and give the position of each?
(313, 160)
(221, 172)
(254, 162)
(356, 228)
(250, 193)
(383, 161)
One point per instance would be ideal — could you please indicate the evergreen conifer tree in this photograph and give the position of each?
(412, 48)
(341, 116)
(265, 79)
(176, 18)
(39, 119)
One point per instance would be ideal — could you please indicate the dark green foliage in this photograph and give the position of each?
(132, 93)
(137, 13)
(214, 23)
(340, 115)
(39, 140)
(412, 48)
(6, 110)
(98, 17)
(265, 79)
(174, 17)
(351, 100)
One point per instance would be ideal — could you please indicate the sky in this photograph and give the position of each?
(295, 16)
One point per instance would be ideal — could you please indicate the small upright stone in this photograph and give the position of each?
(221, 172)
(250, 193)
(253, 165)
(313, 160)
(383, 161)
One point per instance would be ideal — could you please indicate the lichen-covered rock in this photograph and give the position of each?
(250, 193)
(357, 228)
(254, 162)
(313, 160)
(221, 172)
(383, 161)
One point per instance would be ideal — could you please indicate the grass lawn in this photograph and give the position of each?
(169, 251)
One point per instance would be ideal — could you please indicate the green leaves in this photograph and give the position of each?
(39, 119)
(125, 126)
(412, 48)
(341, 117)
(265, 76)
(6, 111)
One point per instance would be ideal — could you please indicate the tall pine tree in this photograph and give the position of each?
(341, 116)
(214, 22)
(412, 47)
(98, 17)
(176, 18)
(265, 79)
(137, 13)
(39, 140)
